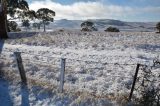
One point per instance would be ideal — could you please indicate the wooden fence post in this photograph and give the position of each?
(20, 67)
(134, 81)
(62, 74)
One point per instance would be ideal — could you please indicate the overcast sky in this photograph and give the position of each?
(125, 10)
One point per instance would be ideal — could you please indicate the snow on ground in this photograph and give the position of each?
(17, 94)
(98, 63)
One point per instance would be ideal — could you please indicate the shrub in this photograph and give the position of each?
(112, 29)
(158, 27)
(12, 26)
(61, 30)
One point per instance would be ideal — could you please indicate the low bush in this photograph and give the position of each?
(158, 27)
(13, 26)
(112, 29)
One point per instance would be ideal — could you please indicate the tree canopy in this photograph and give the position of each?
(88, 26)
(16, 7)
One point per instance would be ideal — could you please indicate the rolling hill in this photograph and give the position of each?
(102, 24)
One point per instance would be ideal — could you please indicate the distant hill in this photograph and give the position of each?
(102, 24)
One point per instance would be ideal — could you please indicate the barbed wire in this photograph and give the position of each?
(53, 66)
(46, 64)
(56, 66)
(86, 61)
(120, 76)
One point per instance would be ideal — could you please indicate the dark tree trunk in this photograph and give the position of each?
(3, 23)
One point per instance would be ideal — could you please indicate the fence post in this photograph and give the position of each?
(134, 81)
(20, 67)
(63, 60)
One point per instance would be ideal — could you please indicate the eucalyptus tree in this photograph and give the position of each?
(13, 8)
(26, 24)
(45, 15)
(88, 26)
(35, 25)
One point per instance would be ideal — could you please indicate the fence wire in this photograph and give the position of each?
(79, 60)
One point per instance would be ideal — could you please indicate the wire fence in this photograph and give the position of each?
(87, 61)
(95, 76)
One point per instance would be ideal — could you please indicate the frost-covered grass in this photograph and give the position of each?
(90, 40)
(97, 62)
